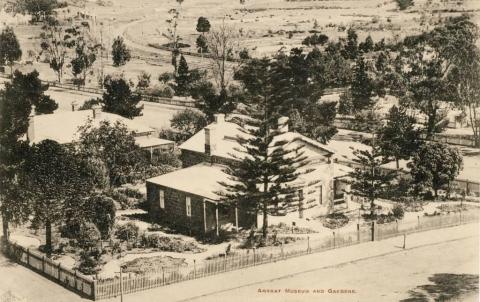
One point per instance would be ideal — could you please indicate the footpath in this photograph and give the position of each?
(197, 288)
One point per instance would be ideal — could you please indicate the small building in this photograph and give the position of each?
(63, 127)
(188, 198)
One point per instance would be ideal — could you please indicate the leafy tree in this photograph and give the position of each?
(202, 44)
(317, 121)
(367, 46)
(350, 50)
(172, 36)
(55, 43)
(115, 146)
(434, 166)
(368, 180)
(203, 25)
(209, 101)
(85, 51)
(54, 174)
(188, 122)
(118, 98)
(399, 138)
(15, 108)
(39, 9)
(14, 113)
(120, 53)
(101, 210)
(429, 60)
(315, 39)
(262, 179)
(30, 89)
(9, 48)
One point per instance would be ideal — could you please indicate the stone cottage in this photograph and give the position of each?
(188, 198)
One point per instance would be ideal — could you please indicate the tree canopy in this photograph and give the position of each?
(118, 98)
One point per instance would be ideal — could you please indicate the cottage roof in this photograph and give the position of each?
(202, 179)
(151, 141)
(63, 126)
(224, 141)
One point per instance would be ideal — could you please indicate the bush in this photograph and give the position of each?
(335, 220)
(385, 218)
(89, 262)
(89, 236)
(166, 158)
(170, 244)
(404, 4)
(398, 211)
(127, 232)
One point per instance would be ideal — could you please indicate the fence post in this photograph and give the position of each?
(404, 239)
(373, 230)
(418, 222)
(28, 257)
(281, 250)
(396, 225)
(334, 243)
(358, 232)
(59, 268)
(163, 275)
(254, 260)
(194, 269)
(94, 290)
(43, 264)
(308, 244)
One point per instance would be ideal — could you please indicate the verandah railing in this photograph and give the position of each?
(238, 259)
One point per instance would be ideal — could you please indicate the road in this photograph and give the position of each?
(375, 271)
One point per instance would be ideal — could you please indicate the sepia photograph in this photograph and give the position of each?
(239, 150)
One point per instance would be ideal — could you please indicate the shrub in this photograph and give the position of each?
(398, 211)
(404, 4)
(127, 232)
(89, 236)
(385, 218)
(89, 262)
(335, 220)
(170, 244)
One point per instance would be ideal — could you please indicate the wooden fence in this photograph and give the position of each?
(243, 258)
(72, 280)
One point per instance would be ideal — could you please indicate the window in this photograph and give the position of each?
(161, 197)
(188, 206)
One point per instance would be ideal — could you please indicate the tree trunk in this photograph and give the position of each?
(6, 232)
(265, 223)
(372, 208)
(48, 238)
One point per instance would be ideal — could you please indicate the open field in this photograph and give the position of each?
(263, 25)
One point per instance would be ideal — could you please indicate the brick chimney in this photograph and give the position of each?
(211, 133)
(283, 124)
(31, 125)
(97, 111)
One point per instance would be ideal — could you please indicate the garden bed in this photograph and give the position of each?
(146, 264)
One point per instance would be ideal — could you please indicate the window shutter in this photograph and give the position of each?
(161, 196)
(188, 206)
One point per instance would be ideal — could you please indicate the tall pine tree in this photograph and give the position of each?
(262, 179)
(368, 180)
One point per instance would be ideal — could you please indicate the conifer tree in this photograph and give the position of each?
(362, 86)
(182, 77)
(368, 180)
(9, 48)
(262, 179)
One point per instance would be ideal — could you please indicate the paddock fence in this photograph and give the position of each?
(243, 258)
